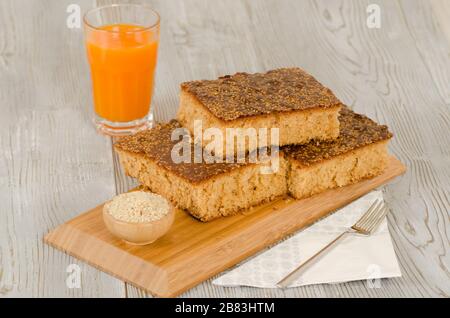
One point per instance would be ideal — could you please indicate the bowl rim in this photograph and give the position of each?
(109, 215)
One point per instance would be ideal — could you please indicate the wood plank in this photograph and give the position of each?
(48, 172)
(428, 30)
(441, 10)
(193, 251)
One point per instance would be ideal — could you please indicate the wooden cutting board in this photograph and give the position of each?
(193, 251)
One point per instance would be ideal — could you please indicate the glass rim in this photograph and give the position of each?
(143, 29)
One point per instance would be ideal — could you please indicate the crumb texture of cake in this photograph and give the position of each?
(294, 127)
(206, 191)
(351, 167)
(358, 153)
(288, 99)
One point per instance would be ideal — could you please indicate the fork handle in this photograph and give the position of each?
(288, 279)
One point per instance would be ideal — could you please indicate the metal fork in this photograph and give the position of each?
(366, 225)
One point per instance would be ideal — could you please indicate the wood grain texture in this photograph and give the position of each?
(48, 173)
(397, 74)
(193, 251)
(441, 12)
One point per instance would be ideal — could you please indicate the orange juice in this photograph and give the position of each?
(123, 61)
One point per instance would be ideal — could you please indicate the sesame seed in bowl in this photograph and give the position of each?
(138, 217)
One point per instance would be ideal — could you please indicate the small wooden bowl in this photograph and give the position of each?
(139, 233)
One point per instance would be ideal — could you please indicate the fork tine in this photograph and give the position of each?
(377, 215)
(368, 216)
(373, 216)
(380, 219)
(363, 218)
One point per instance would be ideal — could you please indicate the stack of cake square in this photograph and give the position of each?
(323, 144)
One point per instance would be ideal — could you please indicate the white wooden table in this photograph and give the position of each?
(53, 165)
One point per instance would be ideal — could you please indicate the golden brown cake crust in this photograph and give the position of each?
(243, 95)
(356, 131)
(156, 144)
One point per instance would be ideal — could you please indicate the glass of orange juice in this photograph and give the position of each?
(122, 47)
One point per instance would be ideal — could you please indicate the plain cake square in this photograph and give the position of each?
(287, 98)
(358, 153)
(205, 190)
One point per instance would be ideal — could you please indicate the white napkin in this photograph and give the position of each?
(353, 258)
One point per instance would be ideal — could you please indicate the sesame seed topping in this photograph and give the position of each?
(243, 95)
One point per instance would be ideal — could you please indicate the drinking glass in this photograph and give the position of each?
(122, 48)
